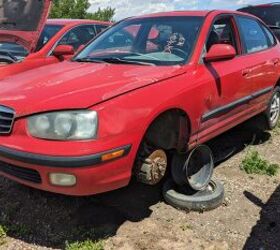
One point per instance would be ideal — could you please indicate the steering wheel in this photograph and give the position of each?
(179, 52)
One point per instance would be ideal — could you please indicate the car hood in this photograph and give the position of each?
(21, 21)
(73, 85)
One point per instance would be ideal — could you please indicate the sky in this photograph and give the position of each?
(126, 8)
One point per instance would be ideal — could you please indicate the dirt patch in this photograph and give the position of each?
(137, 218)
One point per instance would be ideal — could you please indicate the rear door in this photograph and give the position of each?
(261, 64)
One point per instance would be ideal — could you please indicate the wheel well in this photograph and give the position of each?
(170, 130)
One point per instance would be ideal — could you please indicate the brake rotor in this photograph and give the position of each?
(152, 169)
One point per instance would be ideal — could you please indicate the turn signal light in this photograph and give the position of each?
(112, 155)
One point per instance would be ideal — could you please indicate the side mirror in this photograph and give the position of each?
(63, 50)
(220, 52)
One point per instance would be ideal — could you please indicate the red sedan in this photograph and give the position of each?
(142, 91)
(21, 50)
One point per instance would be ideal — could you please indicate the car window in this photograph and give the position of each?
(270, 36)
(14, 49)
(47, 34)
(78, 36)
(159, 41)
(100, 28)
(253, 37)
(222, 32)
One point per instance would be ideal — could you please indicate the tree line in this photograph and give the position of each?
(78, 9)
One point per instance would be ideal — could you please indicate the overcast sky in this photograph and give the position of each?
(125, 8)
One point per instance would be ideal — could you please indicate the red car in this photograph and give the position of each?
(24, 50)
(142, 91)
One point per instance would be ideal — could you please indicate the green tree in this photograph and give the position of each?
(77, 9)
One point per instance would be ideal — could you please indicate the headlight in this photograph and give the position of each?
(68, 125)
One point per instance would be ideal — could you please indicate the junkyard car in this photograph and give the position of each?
(269, 13)
(28, 44)
(144, 89)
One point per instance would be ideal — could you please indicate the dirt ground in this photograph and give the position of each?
(136, 217)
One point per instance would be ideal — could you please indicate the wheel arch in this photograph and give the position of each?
(169, 129)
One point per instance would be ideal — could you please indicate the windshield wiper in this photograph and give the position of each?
(5, 53)
(88, 60)
(124, 61)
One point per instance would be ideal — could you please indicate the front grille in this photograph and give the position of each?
(21, 173)
(7, 116)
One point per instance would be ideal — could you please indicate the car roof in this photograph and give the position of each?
(75, 22)
(190, 13)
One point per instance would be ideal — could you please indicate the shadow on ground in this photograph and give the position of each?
(265, 234)
(50, 220)
(234, 141)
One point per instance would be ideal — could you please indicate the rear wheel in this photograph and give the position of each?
(272, 113)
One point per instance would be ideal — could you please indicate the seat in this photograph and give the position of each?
(213, 39)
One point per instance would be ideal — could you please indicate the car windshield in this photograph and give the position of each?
(13, 49)
(146, 41)
(269, 14)
(48, 33)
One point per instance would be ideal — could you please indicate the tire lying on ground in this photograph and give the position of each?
(187, 199)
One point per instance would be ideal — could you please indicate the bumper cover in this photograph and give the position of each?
(58, 161)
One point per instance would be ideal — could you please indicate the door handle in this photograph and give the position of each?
(276, 62)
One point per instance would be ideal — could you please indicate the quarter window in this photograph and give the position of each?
(253, 37)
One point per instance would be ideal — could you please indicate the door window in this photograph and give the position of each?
(253, 36)
(222, 32)
(78, 36)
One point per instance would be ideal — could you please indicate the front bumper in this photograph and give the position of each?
(92, 173)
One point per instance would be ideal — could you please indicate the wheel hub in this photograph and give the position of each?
(153, 168)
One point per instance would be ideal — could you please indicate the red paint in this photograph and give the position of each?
(128, 98)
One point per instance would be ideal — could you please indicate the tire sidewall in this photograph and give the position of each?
(270, 125)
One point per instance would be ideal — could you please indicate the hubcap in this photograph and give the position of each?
(275, 109)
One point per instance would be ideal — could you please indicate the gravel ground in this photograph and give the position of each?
(136, 217)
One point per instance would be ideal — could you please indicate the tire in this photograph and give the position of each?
(194, 201)
(272, 119)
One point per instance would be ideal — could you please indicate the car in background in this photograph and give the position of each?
(269, 13)
(146, 90)
(22, 49)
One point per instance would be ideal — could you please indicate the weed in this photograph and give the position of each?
(254, 164)
(85, 245)
(3, 235)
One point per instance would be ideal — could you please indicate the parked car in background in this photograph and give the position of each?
(22, 49)
(146, 89)
(269, 13)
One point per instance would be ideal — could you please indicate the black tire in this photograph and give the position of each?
(194, 201)
(271, 124)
